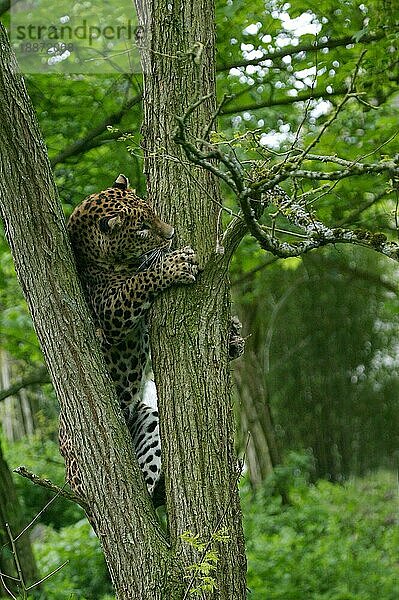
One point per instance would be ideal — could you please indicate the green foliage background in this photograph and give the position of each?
(333, 543)
(323, 330)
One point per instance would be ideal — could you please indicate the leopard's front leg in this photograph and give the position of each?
(122, 306)
(179, 266)
(122, 316)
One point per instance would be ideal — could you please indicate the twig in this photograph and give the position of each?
(80, 145)
(305, 115)
(199, 157)
(16, 557)
(5, 587)
(8, 576)
(47, 576)
(2, 575)
(184, 164)
(46, 483)
(20, 578)
(327, 124)
(38, 515)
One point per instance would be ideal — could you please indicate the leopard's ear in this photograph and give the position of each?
(108, 224)
(121, 182)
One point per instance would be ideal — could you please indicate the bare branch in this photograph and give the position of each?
(49, 485)
(83, 143)
(2, 575)
(20, 578)
(16, 557)
(38, 515)
(47, 576)
(199, 157)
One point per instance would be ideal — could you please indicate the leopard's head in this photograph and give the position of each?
(115, 229)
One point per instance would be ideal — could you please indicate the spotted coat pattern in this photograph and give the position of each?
(124, 259)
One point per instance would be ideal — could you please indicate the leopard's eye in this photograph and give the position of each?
(143, 226)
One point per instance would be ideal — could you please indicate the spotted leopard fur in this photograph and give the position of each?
(124, 259)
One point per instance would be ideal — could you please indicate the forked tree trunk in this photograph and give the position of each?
(190, 326)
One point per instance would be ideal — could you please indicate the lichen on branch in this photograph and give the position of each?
(255, 184)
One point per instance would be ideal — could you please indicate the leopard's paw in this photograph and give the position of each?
(181, 265)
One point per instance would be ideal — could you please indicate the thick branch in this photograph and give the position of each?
(292, 50)
(39, 378)
(49, 485)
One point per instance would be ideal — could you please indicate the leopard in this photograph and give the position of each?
(124, 259)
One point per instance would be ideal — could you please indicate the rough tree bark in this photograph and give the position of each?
(122, 515)
(197, 422)
(190, 326)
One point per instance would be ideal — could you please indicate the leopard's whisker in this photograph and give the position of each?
(147, 260)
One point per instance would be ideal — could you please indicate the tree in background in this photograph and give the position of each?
(16, 559)
(324, 350)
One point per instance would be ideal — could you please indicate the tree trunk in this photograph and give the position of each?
(196, 412)
(190, 326)
(16, 414)
(260, 457)
(119, 506)
(10, 513)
